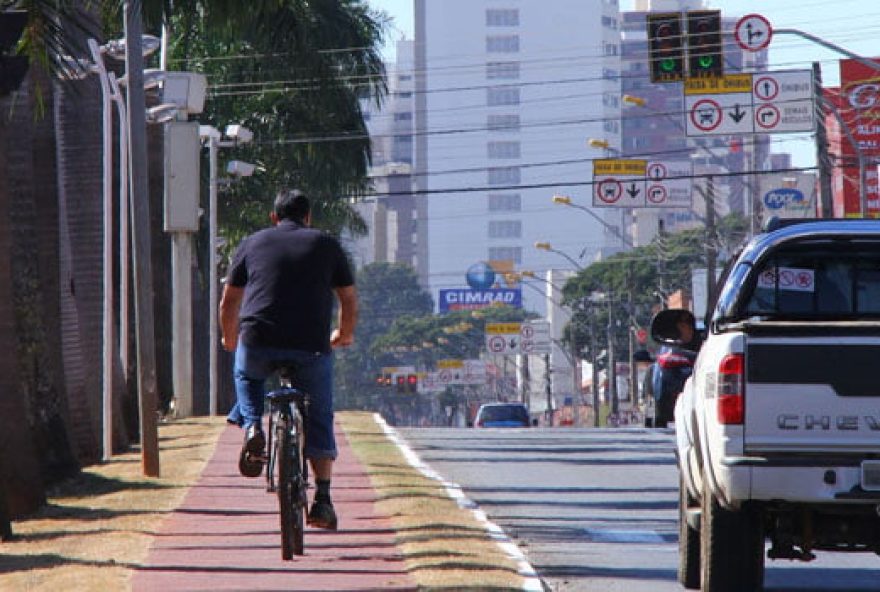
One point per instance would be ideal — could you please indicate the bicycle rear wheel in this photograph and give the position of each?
(289, 495)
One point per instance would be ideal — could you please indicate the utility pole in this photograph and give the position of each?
(141, 253)
(595, 372)
(711, 242)
(548, 387)
(822, 158)
(612, 365)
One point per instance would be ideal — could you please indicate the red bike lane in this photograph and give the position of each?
(225, 536)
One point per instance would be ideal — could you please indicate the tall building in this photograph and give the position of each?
(393, 212)
(507, 95)
(656, 126)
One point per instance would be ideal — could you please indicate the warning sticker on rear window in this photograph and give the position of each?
(789, 278)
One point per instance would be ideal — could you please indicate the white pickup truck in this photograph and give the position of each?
(778, 428)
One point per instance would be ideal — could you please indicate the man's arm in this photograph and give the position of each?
(230, 304)
(348, 308)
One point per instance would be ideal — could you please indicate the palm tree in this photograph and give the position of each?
(57, 244)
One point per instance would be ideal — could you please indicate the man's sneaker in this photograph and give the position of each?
(322, 515)
(249, 463)
(254, 439)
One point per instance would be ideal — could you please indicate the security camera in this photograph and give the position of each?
(239, 133)
(239, 168)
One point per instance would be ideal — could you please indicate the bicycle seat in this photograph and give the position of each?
(288, 395)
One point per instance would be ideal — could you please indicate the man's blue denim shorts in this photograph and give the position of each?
(314, 375)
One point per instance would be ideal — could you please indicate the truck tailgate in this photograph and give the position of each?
(812, 394)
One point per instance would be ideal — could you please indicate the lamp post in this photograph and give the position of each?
(567, 201)
(573, 355)
(545, 246)
(109, 93)
(215, 140)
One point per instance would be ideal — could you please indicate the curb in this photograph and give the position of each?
(532, 582)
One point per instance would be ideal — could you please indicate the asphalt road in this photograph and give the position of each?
(597, 509)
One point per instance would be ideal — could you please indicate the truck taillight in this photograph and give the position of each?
(731, 408)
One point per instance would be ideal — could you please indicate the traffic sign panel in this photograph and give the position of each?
(675, 189)
(753, 32)
(768, 102)
(720, 114)
(784, 101)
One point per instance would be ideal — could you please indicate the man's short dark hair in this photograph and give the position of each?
(292, 204)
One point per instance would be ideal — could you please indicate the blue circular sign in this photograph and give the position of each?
(480, 276)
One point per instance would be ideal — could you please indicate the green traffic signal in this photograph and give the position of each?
(706, 61)
(704, 46)
(667, 65)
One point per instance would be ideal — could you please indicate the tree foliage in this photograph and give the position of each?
(634, 284)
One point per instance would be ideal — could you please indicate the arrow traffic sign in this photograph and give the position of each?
(753, 32)
(767, 102)
(643, 184)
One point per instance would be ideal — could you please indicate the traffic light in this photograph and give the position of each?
(705, 57)
(12, 67)
(412, 383)
(401, 383)
(665, 47)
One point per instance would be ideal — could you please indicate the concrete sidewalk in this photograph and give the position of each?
(225, 536)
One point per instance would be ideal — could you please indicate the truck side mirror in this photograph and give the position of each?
(664, 325)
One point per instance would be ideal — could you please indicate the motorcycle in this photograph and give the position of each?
(673, 366)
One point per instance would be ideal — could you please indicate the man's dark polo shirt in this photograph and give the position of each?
(288, 272)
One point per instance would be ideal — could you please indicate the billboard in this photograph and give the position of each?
(858, 103)
(472, 299)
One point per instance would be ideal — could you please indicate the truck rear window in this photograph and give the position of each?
(820, 283)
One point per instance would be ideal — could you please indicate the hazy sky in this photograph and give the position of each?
(851, 24)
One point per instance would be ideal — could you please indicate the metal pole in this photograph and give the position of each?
(612, 365)
(548, 389)
(863, 198)
(124, 222)
(107, 306)
(143, 276)
(213, 339)
(711, 246)
(822, 150)
(575, 382)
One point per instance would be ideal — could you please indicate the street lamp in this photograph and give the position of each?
(108, 95)
(545, 246)
(234, 135)
(567, 201)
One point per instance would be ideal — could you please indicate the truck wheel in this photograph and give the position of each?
(688, 541)
(731, 548)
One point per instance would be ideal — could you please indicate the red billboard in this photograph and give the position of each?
(858, 103)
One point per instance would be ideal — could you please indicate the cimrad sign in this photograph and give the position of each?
(470, 299)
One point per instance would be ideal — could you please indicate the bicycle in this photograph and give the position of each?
(288, 410)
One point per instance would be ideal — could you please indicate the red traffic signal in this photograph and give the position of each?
(412, 383)
(665, 47)
(401, 383)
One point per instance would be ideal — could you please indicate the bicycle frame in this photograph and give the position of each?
(286, 441)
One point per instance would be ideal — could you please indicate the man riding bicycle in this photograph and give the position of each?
(277, 308)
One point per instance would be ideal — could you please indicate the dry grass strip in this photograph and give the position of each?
(97, 527)
(445, 546)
